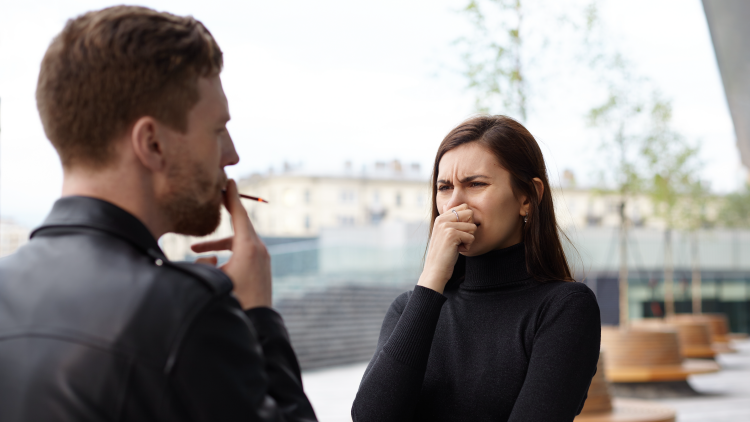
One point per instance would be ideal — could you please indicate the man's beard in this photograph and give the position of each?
(183, 206)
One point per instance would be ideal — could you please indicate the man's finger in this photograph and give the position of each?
(208, 260)
(240, 220)
(213, 245)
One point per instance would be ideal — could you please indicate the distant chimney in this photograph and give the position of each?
(396, 166)
(568, 179)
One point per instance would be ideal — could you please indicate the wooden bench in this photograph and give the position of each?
(648, 355)
(694, 335)
(600, 407)
(718, 327)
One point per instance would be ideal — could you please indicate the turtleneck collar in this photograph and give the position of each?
(503, 268)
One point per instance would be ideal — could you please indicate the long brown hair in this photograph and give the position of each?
(518, 152)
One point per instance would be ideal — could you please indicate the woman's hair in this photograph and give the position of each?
(518, 153)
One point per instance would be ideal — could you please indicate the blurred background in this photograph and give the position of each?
(640, 107)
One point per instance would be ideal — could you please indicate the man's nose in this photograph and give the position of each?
(229, 156)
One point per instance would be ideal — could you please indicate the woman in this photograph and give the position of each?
(496, 328)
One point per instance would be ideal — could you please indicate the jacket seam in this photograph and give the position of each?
(177, 345)
(94, 343)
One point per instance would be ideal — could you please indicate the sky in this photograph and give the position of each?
(320, 83)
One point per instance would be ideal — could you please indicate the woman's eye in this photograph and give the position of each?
(474, 184)
(444, 187)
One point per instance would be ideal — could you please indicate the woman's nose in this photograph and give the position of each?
(456, 199)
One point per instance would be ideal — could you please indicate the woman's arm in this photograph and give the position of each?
(393, 380)
(563, 360)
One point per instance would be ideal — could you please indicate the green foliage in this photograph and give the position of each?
(641, 151)
(619, 120)
(493, 56)
(672, 167)
(735, 211)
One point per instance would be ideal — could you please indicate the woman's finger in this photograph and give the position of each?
(464, 239)
(457, 208)
(463, 211)
(462, 226)
(213, 245)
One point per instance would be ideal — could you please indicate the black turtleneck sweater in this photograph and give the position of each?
(499, 347)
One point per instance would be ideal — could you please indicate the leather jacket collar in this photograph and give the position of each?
(84, 212)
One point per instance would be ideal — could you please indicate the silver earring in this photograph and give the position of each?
(526, 218)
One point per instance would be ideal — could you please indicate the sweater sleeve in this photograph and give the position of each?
(562, 362)
(393, 379)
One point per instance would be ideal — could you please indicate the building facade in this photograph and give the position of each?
(12, 237)
(301, 203)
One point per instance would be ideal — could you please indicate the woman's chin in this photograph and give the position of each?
(474, 252)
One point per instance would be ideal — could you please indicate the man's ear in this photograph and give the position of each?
(147, 144)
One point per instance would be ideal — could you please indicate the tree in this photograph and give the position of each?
(735, 211)
(620, 142)
(493, 58)
(507, 40)
(678, 194)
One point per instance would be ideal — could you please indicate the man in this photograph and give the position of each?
(95, 322)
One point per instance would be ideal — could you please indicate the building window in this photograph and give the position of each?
(347, 196)
(398, 199)
(289, 197)
(307, 196)
(346, 220)
(420, 200)
(307, 222)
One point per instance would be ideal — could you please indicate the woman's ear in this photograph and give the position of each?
(539, 185)
(526, 204)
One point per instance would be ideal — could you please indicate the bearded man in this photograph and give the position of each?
(95, 322)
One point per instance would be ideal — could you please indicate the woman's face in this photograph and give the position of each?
(470, 174)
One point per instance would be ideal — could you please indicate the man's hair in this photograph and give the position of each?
(108, 68)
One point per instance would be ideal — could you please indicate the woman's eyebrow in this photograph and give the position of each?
(465, 179)
(472, 178)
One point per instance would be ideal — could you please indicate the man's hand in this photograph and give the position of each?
(249, 268)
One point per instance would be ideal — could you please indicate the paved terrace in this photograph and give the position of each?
(725, 396)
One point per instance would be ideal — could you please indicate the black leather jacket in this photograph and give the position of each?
(96, 324)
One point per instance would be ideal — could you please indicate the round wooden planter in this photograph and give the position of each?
(648, 355)
(694, 335)
(600, 407)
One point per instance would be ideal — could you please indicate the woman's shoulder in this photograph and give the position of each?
(570, 293)
(565, 288)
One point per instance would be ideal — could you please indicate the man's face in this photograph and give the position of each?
(195, 164)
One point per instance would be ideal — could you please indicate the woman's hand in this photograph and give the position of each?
(449, 237)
